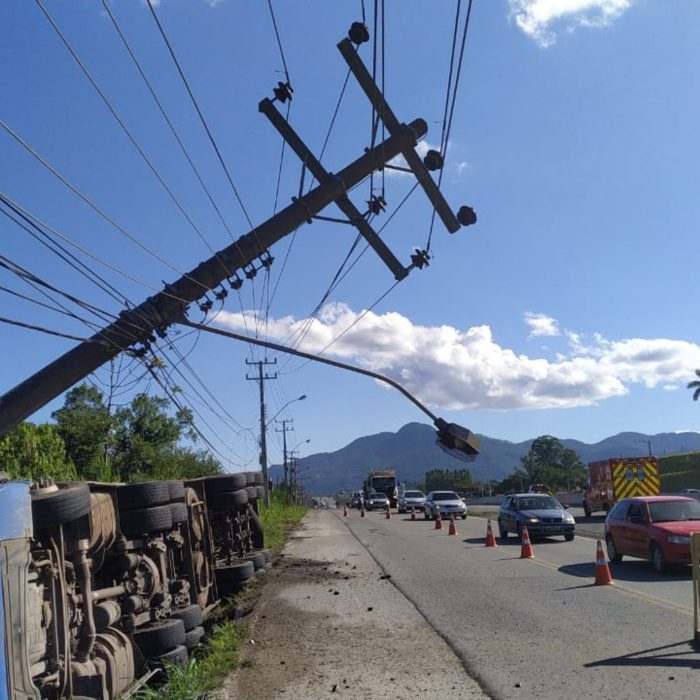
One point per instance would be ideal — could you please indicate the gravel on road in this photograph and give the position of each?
(330, 623)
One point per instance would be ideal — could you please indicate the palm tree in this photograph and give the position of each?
(695, 385)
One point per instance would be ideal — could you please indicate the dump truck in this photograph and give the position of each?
(610, 480)
(383, 481)
(105, 584)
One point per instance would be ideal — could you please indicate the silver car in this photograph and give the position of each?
(446, 502)
(377, 500)
(411, 500)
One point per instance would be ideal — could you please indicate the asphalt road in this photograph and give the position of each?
(539, 628)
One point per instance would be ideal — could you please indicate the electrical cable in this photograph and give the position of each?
(48, 331)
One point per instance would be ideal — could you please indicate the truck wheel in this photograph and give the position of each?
(143, 495)
(606, 508)
(226, 482)
(177, 656)
(51, 508)
(230, 579)
(178, 512)
(613, 553)
(157, 637)
(190, 615)
(258, 559)
(226, 500)
(194, 637)
(147, 520)
(176, 489)
(586, 509)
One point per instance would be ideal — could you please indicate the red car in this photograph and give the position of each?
(652, 527)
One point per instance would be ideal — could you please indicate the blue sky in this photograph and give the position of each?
(566, 310)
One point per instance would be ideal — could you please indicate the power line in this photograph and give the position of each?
(279, 41)
(48, 331)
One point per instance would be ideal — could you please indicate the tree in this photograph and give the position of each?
(31, 451)
(84, 424)
(448, 479)
(695, 385)
(549, 462)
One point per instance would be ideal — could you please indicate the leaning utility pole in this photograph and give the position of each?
(138, 328)
(263, 426)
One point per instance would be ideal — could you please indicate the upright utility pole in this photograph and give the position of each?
(263, 426)
(284, 432)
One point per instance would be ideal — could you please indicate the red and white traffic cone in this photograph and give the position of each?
(413, 513)
(453, 527)
(602, 571)
(526, 550)
(388, 513)
(490, 539)
(345, 511)
(438, 521)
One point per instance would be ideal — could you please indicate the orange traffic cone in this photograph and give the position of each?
(362, 511)
(438, 521)
(453, 527)
(490, 539)
(345, 511)
(602, 571)
(526, 550)
(413, 513)
(388, 513)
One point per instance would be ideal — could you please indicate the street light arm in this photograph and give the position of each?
(453, 438)
(307, 356)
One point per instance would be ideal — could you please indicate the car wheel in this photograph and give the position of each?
(658, 559)
(519, 530)
(464, 517)
(569, 536)
(586, 509)
(425, 515)
(613, 553)
(502, 532)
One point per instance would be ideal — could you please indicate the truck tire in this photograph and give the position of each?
(261, 491)
(190, 615)
(230, 579)
(147, 520)
(252, 492)
(177, 656)
(258, 478)
(250, 479)
(225, 482)
(227, 499)
(178, 512)
(176, 489)
(157, 637)
(267, 554)
(51, 508)
(194, 637)
(258, 559)
(143, 495)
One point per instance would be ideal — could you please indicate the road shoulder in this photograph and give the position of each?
(328, 621)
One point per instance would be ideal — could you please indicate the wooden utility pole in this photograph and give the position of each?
(263, 422)
(137, 328)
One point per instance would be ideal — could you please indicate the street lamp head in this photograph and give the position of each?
(456, 440)
(302, 397)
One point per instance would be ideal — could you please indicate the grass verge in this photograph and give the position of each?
(279, 519)
(219, 655)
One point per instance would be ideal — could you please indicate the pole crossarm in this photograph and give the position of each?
(343, 203)
(141, 324)
(364, 78)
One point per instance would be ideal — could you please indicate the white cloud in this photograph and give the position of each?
(538, 17)
(467, 369)
(541, 325)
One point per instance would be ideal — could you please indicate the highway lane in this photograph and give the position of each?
(540, 628)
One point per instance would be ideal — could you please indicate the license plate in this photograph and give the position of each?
(552, 529)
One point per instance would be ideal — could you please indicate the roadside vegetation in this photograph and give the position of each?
(219, 654)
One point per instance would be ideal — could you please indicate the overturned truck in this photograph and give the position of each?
(104, 584)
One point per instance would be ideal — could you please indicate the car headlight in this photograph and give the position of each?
(533, 520)
(679, 539)
(569, 519)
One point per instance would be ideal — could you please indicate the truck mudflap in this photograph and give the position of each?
(15, 533)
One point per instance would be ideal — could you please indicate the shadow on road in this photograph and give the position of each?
(628, 571)
(669, 659)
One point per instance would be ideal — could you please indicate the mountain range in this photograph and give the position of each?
(411, 451)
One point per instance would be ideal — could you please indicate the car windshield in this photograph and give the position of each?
(445, 496)
(537, 503)
(413, 494)
(669, 511)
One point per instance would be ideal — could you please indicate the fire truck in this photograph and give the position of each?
(610, 480)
